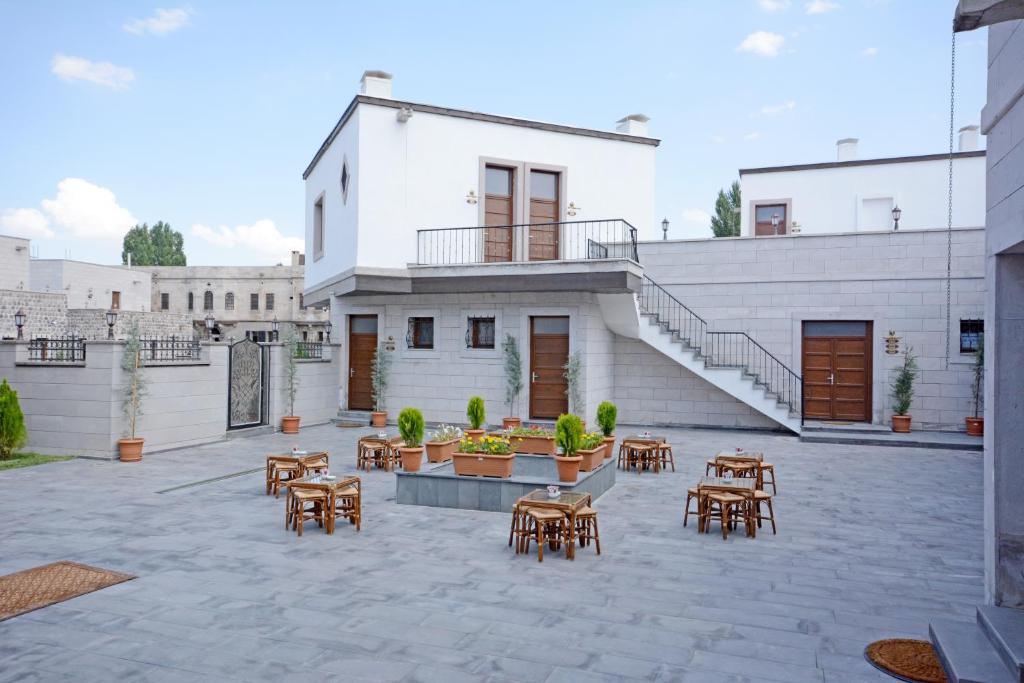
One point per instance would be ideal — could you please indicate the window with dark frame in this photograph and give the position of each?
(229, 301)
(763, 219)
(165, 301)
(970, 335)
(254, 301)
(420, 334)
(270, 302)
(207, 300)
(191, 302)
(480, 333)
(318, 228)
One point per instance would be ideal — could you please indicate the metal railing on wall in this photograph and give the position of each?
(309, 350)
(69, 349)
(169, 349)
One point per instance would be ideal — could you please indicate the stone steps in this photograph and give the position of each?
(987, 651)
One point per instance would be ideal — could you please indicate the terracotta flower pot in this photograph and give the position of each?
(441, 451)
(901, 424)
(412, 458)
(537, 445)
(592, 459)
(609, 446)
(290, 424)
(568, 468)
(130, 450)
(483, 465)
(976, 426)
(379, 418)
(510, 422)
(474, 434)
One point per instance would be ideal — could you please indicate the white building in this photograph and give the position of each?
(855, 195)
(92, 285)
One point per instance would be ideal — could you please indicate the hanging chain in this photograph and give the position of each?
(949, 199)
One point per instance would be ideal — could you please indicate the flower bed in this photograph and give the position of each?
(488, 456)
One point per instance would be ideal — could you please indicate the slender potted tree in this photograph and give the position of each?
(573, 374)
(290, 422)
(13, 434)
(410, 426)
(607, 414)
(477, 415)
(134, 388)
(379, 375)
(976, 424)
(568, 434)
(513, 381)
(903, 392)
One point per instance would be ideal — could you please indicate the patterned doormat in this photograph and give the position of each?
(31, 589)
(907, 660)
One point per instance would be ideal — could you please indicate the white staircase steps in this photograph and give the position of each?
(988, 650)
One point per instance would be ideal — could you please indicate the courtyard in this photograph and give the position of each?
(873, 542)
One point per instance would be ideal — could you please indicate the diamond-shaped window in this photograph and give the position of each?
(345, 179)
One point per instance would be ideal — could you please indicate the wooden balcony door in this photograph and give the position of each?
(544, 215)
(837, 370)
(362, 344)
(499, 193)
(549, 352)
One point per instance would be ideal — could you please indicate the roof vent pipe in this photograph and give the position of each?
(846, 149)
(969, 138)
(375, 84)
(634, 124)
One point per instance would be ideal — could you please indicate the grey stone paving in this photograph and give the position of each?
(873, 542)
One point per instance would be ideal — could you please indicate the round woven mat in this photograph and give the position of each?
(909, 660)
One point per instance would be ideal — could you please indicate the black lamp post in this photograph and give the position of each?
(210, 322)
(327, 329)
(19, 321)
(896, 213)
(664, 228)
(111, 319)
(274, 326)
(775, 224)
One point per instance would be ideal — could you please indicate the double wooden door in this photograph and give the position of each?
(362, 344)
(500, 231)
(549, 352)
(837, 370)
(544, 215)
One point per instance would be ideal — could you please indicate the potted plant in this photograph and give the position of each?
(130, 448)
(290, 422)
(591, 451)
(380, 369)
(410, 426)
(903, 392)
(573, 371)
(976, 424)
(488, 456)
(568, 434)
(607, 414)
(442, 443)
(13, 434)
(532, 439)
(513, 380)
(477, 415)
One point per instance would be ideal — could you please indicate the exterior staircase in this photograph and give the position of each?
(731, 361)
(991, 650)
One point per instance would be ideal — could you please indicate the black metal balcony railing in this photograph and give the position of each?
(722, 349)
(57, 349)
(168, 349)
(309, 349)
(564, 241)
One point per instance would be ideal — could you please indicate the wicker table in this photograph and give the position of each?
(567, 502)
(390, 442)
(743, 486)
(303, 460)
(331, 486)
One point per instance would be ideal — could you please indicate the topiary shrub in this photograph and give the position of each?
(903, 383)
(410, 426)
(475, 412)
(13, 434)
(607, 413)
(568, 434)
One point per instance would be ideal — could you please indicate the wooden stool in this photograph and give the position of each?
(586, 528)
(317, 467)
(709, 466)
(770, 469)
(545, 525)
(665, 456)
(292, 469)
(759, 498)
(521, 528)
(348, 504)
(730, 506)
(691, 494)
(299, 514)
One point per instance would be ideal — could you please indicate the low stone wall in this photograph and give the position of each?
(45, 313)
(91, 323)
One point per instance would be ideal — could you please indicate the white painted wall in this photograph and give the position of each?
(14, 259)
(89, 285)
(831, 200)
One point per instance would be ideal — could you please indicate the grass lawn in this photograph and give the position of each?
(29, 459)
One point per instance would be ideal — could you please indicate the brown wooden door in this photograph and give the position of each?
(549, 352)
(362, 343)
(837, 370)
(115, 300)
(544, 209)
(499, 184)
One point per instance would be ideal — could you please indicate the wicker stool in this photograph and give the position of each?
(292, 469)
(711, 465)
(691, 494)
(768, 468)
(665, 456)
(544, 525)
(586, 528)
(348, 505)
(730, 507)
(317, 466)
(766, 498)
(299, 514)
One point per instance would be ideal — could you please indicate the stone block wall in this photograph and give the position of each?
(45, 314)
(91, 323)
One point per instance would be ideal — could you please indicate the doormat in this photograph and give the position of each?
(31, 589)
(907, 660)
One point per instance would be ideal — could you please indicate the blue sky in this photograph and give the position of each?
(204, 115)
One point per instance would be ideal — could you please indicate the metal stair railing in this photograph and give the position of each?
(722, 349)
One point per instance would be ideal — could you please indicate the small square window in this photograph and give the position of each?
(254, 302)
(421, 333)
(970, 335)
(480, 333)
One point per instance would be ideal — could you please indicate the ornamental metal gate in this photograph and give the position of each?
(248, 384)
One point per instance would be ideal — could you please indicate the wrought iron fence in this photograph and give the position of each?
(169, 349)
(309, 349)
(564, 241)
(70, 349)
(722, 349)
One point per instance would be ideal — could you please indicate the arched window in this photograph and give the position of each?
(208, 300)
(191, 302)
(229, 301)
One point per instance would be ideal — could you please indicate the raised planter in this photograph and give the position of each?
(609, 446)
(568, 467)
(379, 418)
(441, 451)
(901, 424)
(538, 445)
(511, 422)
(484, 464)
(412, 458)
(976, 426)
(130, 450)
(592, 459)
(290, 424)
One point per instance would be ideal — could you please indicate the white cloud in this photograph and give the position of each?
(261, 237)
(773, 109)
(762, 43)
(29, 223)
(87, 210)
(773, 5)
(869, 52)
(100, 73)
(697, 216)
(752, 136)
(820, 6)
(163, 21)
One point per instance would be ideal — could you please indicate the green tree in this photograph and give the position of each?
(12, 422)
(726, 221)
(160, 245)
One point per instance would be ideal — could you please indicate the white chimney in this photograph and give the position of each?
(375, 84)
(969, 141)
(634, 124)
(846, 149)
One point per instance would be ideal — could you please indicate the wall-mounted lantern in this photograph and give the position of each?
(471, 197)
(389, 345)
(892, 343)
(19, 321)
(896, 213)
(274, 326)
(572, 209)
(111, 319)
(327, 329)
(210, 322)
(664, 228)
